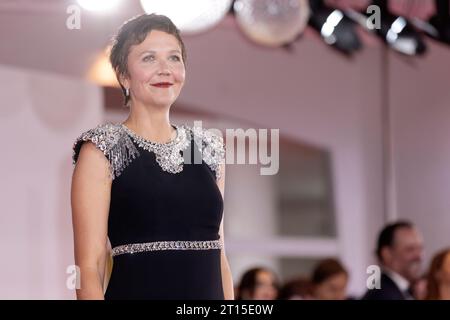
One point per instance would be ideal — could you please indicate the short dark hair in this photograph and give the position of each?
(386, 236)
(133, 32)
(325, 269)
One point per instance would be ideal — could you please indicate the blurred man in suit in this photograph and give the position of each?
(400, 253)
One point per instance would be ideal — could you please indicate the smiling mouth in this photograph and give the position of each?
(162, 85)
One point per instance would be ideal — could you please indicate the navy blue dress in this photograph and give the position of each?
(169, 211)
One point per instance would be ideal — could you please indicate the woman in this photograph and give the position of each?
(329, 280)
(152, 188)
(258, 283)
(438, 281)
(299, 288)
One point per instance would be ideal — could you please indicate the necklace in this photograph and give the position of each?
(168, 155)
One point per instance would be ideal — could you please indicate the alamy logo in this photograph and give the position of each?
(374, 278)
(73, 280)
(73, 21)
(259, 141)
(374, 20)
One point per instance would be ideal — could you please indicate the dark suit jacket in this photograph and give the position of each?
(388, 291)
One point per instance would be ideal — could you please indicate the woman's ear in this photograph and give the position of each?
(124, 81)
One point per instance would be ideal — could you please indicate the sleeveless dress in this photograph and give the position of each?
(165, 212)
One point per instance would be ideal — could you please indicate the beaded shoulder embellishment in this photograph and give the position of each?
(115, 144)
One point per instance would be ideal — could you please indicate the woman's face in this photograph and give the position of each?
(333, 288)
(157, 59)
(265, 286)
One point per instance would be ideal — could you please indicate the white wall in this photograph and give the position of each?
(40, 116)
(420, 100)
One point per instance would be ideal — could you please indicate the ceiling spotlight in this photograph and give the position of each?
(438, 27)
(272, 23)
(334, 26)
(98, 5)
(190, 16)
(396, 31)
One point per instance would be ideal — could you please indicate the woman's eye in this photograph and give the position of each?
(177, 58)
(147, 58)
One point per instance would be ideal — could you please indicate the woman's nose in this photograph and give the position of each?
(163, 68)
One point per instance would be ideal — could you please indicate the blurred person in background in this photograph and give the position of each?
(329, 280)
(438, 281)
(419, 287)
(296, 289)
(259, 283)
(400, 253)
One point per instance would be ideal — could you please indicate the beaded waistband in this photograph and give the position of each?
(166, 245)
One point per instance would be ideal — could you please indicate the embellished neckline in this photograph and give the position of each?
(168, 154)
(149, 142)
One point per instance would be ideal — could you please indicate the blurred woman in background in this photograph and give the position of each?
(258, 283)
(438, 283)
(299, 288)
(329, 280)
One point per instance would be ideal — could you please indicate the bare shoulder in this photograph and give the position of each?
(91, 162)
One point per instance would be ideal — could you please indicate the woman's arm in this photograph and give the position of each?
(227, 280)
(90, 196)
